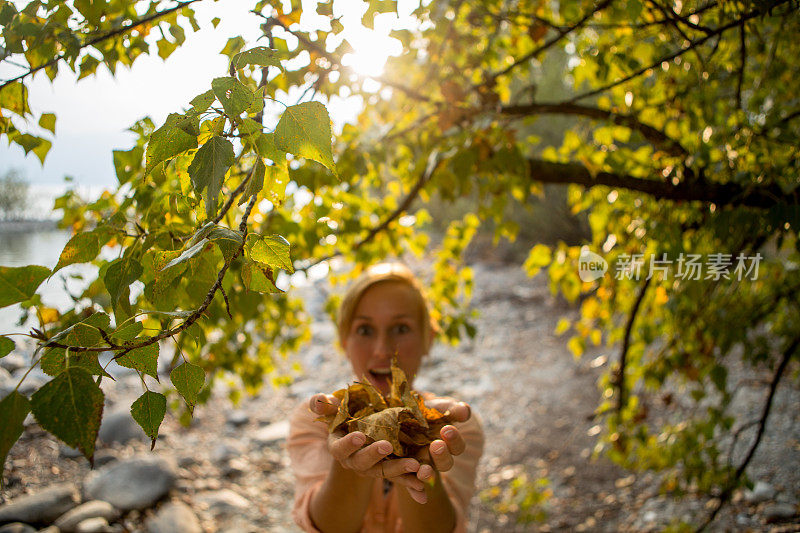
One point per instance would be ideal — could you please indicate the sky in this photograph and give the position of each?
(94, 113)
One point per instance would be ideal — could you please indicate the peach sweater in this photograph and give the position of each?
(308, 452)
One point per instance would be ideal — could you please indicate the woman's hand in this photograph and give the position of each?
(369, 461)
(438, 456)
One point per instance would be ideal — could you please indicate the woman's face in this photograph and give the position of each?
(386, 322)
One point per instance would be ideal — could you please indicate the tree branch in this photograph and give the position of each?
(547, 44)
(619, 379)
(697, 189)
(762, 424)
(94, 40)
(430, 168)
(655, 136)
(669, 57)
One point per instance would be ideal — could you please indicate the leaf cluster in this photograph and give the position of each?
(402, 418)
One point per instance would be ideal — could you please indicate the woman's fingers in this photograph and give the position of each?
(324, 404)
(455, 442)
(456, 411)
(441, 456)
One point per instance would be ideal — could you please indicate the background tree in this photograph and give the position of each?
(13, 195)
(671, 128)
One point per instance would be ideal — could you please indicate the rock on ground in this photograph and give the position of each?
(174, 517)
(135, 483)
(68, 522)
(41, 508)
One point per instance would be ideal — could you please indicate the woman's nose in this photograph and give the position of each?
(384, 346)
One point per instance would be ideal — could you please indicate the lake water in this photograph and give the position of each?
(39, 247)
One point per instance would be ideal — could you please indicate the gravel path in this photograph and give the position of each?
(535, 400)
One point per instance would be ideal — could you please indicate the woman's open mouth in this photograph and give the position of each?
(381, 378)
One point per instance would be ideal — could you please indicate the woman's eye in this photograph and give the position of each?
(402, 328)
(363, 330)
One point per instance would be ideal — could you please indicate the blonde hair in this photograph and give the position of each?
(379, 273)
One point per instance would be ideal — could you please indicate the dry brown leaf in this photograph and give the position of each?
(402, 419)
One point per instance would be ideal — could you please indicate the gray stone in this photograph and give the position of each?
(174, 517)
(69, 452)
(68, 522)
(224, 453)
(41, 508)
(13, 362)
(761, 492)
(778, 512)
(6, 380)
(223, 501)
(94, 525)
(272, 433)
(237, 418)
(120, 427)
(17, 527)
(50, 529)
(135, 483)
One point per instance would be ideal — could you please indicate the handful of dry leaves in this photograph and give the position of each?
(402, 418)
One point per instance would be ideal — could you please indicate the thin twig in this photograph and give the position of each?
(669, 57)
(762, 424)
(430, 168)
(619, 379)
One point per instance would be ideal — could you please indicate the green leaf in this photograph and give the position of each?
(148, 411)
(272, 251)
(13, 410)
(18, 284)
(208, 169)
(255, 183)
(127, 331)
(232, 94)
(48, 122)
(233, 45)
(119, 275)
(562, 326)
(187, 254)
(188, 380)
(81, 248)
(144, 359)
(258, 278)
(305, 131)
(70, 407)
(227, 239)
(6, 346)
(55, 360)
(14, 97)
(260, 55)
(177, 135)
(539, 256)
(201, 102)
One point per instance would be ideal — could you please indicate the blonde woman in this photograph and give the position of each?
(343, 484)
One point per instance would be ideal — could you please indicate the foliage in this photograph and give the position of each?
(13, 195)
(681, 125)
(525, 499)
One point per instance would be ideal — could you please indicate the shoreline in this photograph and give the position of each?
(27, 225)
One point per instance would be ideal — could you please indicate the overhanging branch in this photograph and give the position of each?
(652, 134)
(690, 190)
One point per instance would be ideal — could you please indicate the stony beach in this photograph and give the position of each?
(229, 472)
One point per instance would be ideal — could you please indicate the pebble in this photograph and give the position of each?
(761, 492)
(777, 512)
(17, 527)
(68, 522)
(223, 501)
(237, 418)
(12, 362)
(224, 452)
(94, 525)
(272, 433)
(174, 517)
(41, 508)
(120, 427)
(135, 483)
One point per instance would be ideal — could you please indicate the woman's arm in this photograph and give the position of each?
(437, 513)
(348, 485)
